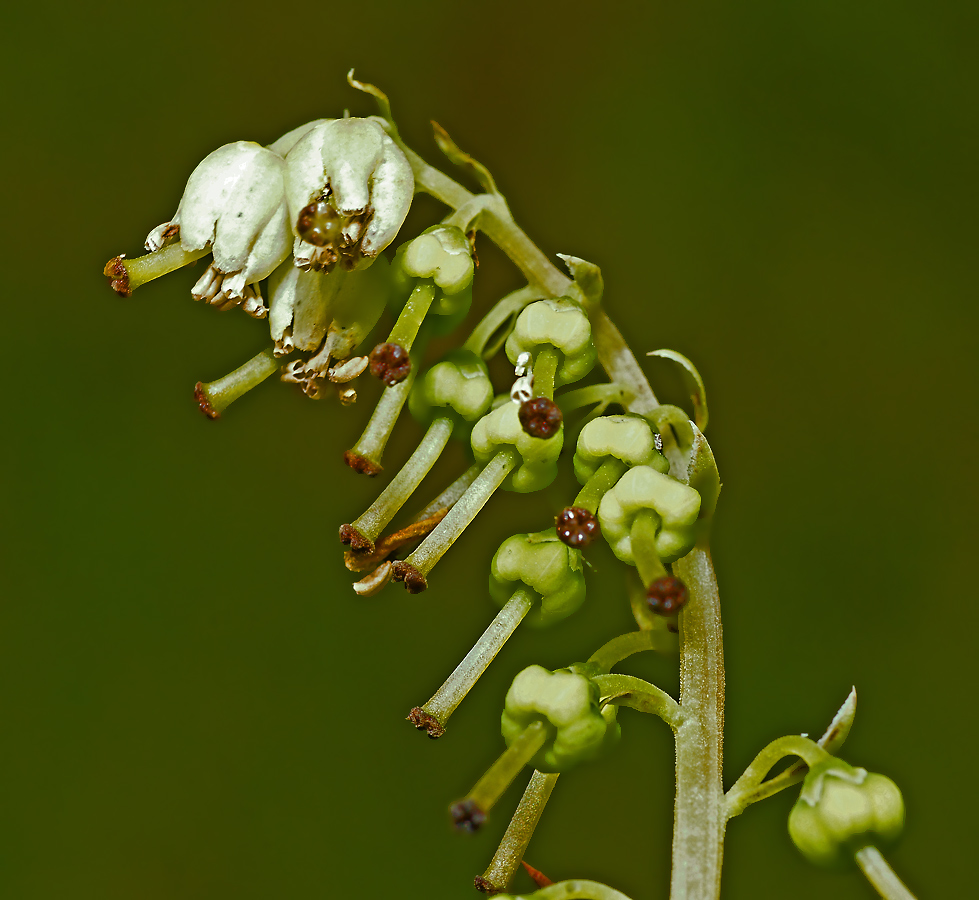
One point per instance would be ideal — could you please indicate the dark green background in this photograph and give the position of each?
(196, 705)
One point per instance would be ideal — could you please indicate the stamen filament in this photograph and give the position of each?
(404, 484)
(481, 341)
(450, 529)
(447, 698)
(603, 479)
(512, 848)
(643, 538)
(216, 396)
(500, 775)
(412, 315)
(880, 874)
(545, 368)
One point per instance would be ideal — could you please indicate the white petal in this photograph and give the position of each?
(289, 140)
(391, 195)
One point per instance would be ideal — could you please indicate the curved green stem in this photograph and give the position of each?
(512, 848)
(751, 786)
(468, 213)
(602, 480)
(880, 874)
(216, 396)
(447, 698)
(622, 647)
(643, 539)
(405, 330)
(493, 329)
(625, 690)
(604, 395)
(545, 368)
(404, 484)
(500, 775)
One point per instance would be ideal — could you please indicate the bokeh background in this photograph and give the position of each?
(195, 703)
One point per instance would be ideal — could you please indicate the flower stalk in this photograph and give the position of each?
(214, 397)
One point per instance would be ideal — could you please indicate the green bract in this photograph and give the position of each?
(550, 569)
(644, 488)
(458, 387)
(500, 429)
(842, 809)
(567, 704)
(557, 323)
(628, 438)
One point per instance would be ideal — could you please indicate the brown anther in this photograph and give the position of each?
(361, 464)
(486, 886)
(359, 562)
(320, 224)
(540, 417)
(577, 527)
(200, 395)
(666, 596)
(118, 277)
(540, 879)
(424, 722)
(357, 542)
(414, 581)
(466, 816)
(375, 582)
(390, 363)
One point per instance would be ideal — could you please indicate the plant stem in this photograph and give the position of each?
(881, 875)
(622, 647)
(601, 394)
(448, 697)
(404, 484)
(599, 484)
(545, 368)
(643, 540)
(699, 819)
(504, 312)
(512, 848)
(412, 315)
(499, 776)
(625, 690)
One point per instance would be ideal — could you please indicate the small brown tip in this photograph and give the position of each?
(361, 464)
(390, 362)
(425, 722)
(540, 417)
(577, 527)
(467, 816)
(666, 596)
(200, 395)
(540, 879)
(486, 886)
(414, 581)
(118, 277)
(358, 543)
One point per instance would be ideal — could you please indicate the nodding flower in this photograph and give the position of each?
(349, 187)
(234, 206)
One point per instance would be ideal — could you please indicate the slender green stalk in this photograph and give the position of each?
(451, 494)
(493, 324)
(604, 395)
(512, 848)
(450, 529)
(622, 647)
(625, 690)
(216, 396)
(404, 484)
(447, 698)
(880, 874)
(468, 213)
(601, 482)
(405, 330)
(643, 540)
(133, 273)
(545, 368)
(500, 775)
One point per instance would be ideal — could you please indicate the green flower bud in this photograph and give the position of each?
(628, 438)
(548, 568)
(458, 387)
(842, 809)
(443, 254)
(643, 488)
(568, 706)
(500, 429)
(557, 323)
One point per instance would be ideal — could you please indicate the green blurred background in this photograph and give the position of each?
(196, 705)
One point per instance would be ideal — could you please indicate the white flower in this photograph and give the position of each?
(234, 203)
(299, 304)
(349, 187)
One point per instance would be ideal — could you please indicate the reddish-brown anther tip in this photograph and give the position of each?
(425, 722)
(486, 886)
(540, 417)
(204, 403)
(414, 581)
(390, 362)
(361, 464)
(357, 542)
(666, 596)
(467, 816)
(540, 879)
(577, 527)
(115, 271)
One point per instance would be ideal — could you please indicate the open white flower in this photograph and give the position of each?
(234, 203)
(349, 187)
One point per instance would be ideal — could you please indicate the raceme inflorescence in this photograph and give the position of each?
(305, 222)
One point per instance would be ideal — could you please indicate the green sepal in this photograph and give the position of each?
(568, 706)
(628, 438)
(693, 381)
(841, 809)
(644, 488)
(499, 430)
(457, 387)
(561, 324)
(548, 568)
